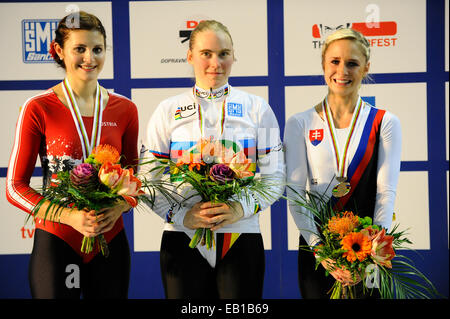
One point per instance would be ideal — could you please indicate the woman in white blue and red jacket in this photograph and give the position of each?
(343, 148)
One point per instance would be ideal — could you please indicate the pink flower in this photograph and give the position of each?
(121, 181)
(382, 251)
(221, 173)
(130, 187)
(82, 174)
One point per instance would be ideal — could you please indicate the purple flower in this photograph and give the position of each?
(83, 174)
(221, 173)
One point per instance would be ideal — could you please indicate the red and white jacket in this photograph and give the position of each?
(45, 128)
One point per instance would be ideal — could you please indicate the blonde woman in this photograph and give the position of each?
(213, 108)
(344, 148)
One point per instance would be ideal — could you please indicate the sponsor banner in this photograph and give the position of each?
(148, 226)
(16, 234)
(27, 30)
(408, 101)
(37, 34)
(392, 32)
(160, 32)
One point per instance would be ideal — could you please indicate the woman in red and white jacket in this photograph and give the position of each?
(47, 126)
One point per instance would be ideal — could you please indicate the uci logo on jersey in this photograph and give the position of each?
(37, 34)
(183, 112)
(234, 109)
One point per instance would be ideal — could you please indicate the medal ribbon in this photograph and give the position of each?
(340, 160)
(200, 114)
(78, 120)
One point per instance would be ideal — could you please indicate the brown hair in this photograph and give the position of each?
(82, 21)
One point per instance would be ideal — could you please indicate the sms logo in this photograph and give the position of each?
(37, 34)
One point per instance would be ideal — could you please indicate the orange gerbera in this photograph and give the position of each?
(191, 165)
(357, 246)
(105, 153)
(343, 224)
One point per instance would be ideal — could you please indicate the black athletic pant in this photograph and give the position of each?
(314, 284)
(187, 274)
(56, 271)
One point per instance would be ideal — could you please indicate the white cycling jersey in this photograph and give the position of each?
(311, 163)
(227, 113)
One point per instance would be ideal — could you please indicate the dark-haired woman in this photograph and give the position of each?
(55, 125)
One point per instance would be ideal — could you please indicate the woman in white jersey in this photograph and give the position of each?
(212, 108)
(344, 148)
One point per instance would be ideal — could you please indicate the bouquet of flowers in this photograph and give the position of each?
(363, 252)
(219, 172)
(96, 184)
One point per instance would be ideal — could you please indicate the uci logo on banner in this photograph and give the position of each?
(316, 136)
(37, 34)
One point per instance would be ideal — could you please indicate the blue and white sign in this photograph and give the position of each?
(234, 109)
(37, 34)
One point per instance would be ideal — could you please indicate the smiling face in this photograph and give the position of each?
(212, 57)
(344, 66)
(83, 54)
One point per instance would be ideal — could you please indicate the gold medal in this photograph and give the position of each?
(341, 189)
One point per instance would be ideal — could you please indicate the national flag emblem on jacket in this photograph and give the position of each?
(316, 136)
